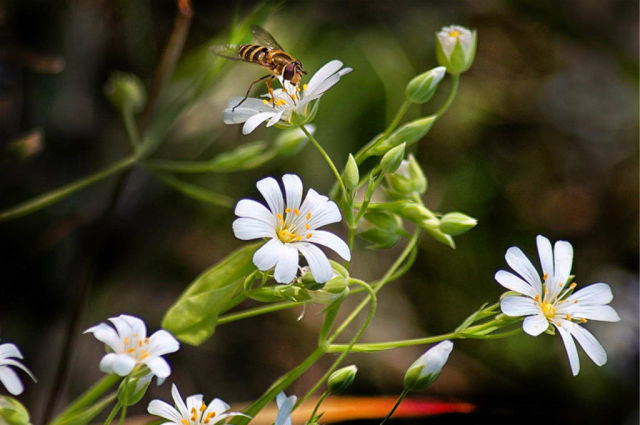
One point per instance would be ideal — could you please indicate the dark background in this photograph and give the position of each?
(542, 139)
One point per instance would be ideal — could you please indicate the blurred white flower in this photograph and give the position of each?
(285, 406)
(548, 302)
(287, 100)
(291, 228)
(428, 366)
(8, 355)
(131, 347)
(192, 411)
(456, 60)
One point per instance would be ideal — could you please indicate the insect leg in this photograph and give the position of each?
(249, 91)
(268, 83)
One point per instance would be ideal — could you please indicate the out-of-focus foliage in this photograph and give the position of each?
(541, 139)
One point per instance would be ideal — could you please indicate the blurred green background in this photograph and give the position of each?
(542, 139)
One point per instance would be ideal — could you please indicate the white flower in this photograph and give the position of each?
(253, 112)
(291, 228)
(449, 36)
(456, 48)
(548, 301)
(8, 355)
(285, 406)
(131, 347)
(427, 367)
(193, 412)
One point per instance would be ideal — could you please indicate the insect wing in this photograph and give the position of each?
(227, 51)
(262, 37)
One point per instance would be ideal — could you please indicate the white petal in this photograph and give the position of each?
(594, 294)
(287, 265)
(604, 313)
(251, 209)
(546, 255)
(177, 400)
(249, 108)
(162, 342)
(275, 118)
(285, 405)
(218, 406)
(194, 402)
(9, 350)
(514, 283)
(106, 334)
(569, 346)
(122, 326)
(120, 364)
(267, 256)
(164, 410)
(255, 121)
(589, 344)
(138, 328)
(518, 306)
(11, 381)
(521, 264)
(332, 241)
(16, 363)
(563, 257)
(251, 228)
(535, 325)
(317, 260)
(158, 366)
(270, 191)
(292, 190)
(322, 211)
(323, 73)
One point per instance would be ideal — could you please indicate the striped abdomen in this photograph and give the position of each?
(264, 56)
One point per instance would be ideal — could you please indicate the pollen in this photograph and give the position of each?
(131, 350)
(304, 87)
(293, 96)
(139, 343)
(308, 235)
(184, 421)
(454, 34)
(280, 218)
(203, 407)
(548, 310)
(306, 226)
(545, 276)
(573, 285)
(583, 320)
(568, 316)
(309, 216)
(126, 340)
(281, 102)
(145, 354)
(537, 298)
(288, 210)
(296, 212)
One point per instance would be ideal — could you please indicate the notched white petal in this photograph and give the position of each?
(535, 325)
(514, 283)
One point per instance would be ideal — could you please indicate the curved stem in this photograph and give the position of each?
(113, 413)
(361, 155)
(395, 406)
(452, 94)
(390, 345)
(245, 314)
(315, 409)
(327, 158)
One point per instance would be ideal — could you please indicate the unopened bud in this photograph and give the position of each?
(126, 92)
(337, 287)
(427, 368)
(432, 228)
(456, 48)
(12, 412)
(422, 87)
(351, 176)
(456, 223)
(382, 229)
(341, 379)
(291, 141)
(133, 389)
(409, 133)
(392, 159)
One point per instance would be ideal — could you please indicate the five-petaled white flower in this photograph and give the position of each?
(291, 228)
(8, 355)
(131, 347)
(253, 112)
(193, 412)
(549, 301)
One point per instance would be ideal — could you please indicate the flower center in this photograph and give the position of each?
(548, 309)
(287, 230)
(136, 347)
(454, 34)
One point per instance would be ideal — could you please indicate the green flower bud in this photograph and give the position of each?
(392, 159)
(409, 133)
(126, 92)
(341, 379)
(432, 228)
(351, 176)
(422, 87)
(407, 180)
(456, 223)
(133, 389)
(456, 48)
(290, 142)
(337, 287)
(381, 228)
(427, 368)
(12, 412)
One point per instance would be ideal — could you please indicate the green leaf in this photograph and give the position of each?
(194, 316)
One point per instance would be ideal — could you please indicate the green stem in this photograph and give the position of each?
(124, 413)
(327, 158)
(372, 309)
(113, 414)
(452, 94)
(395, 406)
(315, 409)
(245, 314)
(283, 382)
(390, 345)
(361, 155)
(194, 191)
(60, 193)
(130, 126)
(89, 396)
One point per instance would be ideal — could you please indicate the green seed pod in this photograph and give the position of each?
(422, 87)
(341, 379)
(351, 176)
(126, 92)
(392, 159)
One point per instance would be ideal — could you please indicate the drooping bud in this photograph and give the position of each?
(407, 180)
(409, 133)
(351, 176)
(290, 142)
(422, 87)
(392, 159)
(126, 92)
(456, 223)
(381, 228)
(427, 368)
(12, 412)
(341, 379)
(456, 48)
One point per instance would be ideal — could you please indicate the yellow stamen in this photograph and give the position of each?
(537, 298)
(306, 226)
(455, 34)
(304, 87)
(265, 102)
(545, 276)
(296, 212)
(131, 350)
(548, 310)
(298, 88)
(308, 216)
(546, 291)
(583, 320)
(568, 316)
(573, 285)
(288, 210)
(298, 238)
(146, 340)
(203, 407)
(126, 340)
(293, 96)
(280, 218)
(145, 354)
(308, 235)
(575, 301)
(280, 102)
(139, 343)
(184, 421)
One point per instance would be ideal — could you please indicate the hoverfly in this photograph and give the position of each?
(266, 52)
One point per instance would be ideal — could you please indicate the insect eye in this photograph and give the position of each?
(289, 71)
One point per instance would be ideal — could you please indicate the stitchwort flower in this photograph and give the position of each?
(192, 411)
(550, 300)
(285, 406)
(8, 355)
(456, 48)
(131, 347)
(288, 102)
(291, 227)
